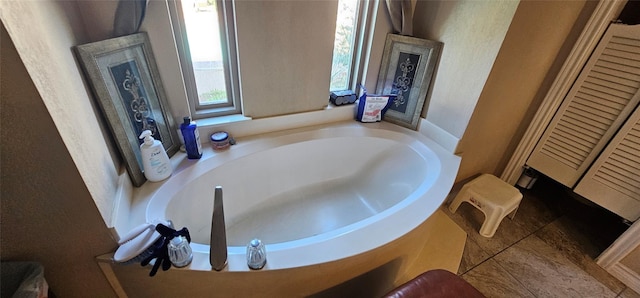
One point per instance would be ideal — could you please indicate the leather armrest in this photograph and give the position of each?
(437, 284)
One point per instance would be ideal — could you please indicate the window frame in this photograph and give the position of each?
(358, 56)
(365, 22)
(226, 11)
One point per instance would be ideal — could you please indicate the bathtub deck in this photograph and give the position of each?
(443, 250)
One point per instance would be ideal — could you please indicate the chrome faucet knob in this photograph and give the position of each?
(180, 253)
(256, 254)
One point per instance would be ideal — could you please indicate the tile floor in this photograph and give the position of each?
(547, 250)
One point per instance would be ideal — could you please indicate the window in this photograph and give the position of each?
(205, 40)
(344, 45)
(206, 46)
(354, 26)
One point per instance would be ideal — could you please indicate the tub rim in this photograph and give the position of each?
(405, 215)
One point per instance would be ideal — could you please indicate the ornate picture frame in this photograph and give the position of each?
(124, 78)
(408, 65)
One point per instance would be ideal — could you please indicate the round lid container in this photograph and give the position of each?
(220, 140)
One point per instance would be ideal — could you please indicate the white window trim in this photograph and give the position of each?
(363, 42)
(230, 58)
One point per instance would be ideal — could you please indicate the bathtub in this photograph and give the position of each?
(313, 195)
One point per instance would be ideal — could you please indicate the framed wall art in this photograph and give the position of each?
(408, 65)
(124, 79)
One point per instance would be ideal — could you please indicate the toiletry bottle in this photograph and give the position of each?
(155, 161)
(191, 138)
(180, 253)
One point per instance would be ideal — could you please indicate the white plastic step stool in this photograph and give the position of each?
(494, 197)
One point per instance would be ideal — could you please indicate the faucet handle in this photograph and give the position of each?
(256, 254)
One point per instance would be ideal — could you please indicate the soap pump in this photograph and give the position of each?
(155, 160)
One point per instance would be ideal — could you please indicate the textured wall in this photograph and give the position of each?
(45, 48)
(47, 213)
(285, 50)
(538, 41)
(472, 33)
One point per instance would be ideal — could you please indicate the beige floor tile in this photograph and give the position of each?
(548, 273)
(559, 261)
(629, 293)
(472, 256)
(564, 236)
(493, 281)
(537, 209)
(470, 220)
(593, 228)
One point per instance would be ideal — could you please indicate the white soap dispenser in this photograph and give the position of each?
(155, 160)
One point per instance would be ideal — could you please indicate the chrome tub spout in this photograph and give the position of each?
(218, 244)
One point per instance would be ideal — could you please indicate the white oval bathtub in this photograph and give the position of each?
(312, 195)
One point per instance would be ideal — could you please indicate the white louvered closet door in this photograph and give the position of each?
(613, 181)
(601, 99)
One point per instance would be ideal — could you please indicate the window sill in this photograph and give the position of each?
(240, 126)
(220, 120)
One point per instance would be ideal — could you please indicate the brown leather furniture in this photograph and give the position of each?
(436, 284)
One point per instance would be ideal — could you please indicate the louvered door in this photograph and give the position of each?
(613, 181)
(602, 97)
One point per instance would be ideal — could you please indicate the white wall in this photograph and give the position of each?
(284, 51)
(472, 32)
(54, 157)
(45, 47)
(539, 39)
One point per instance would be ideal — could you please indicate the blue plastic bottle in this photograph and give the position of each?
(191, 138)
